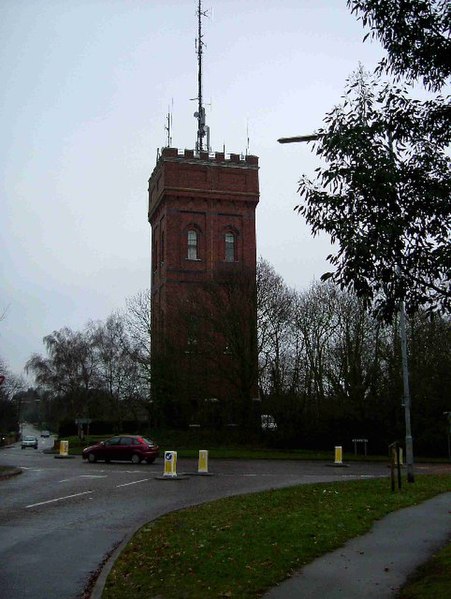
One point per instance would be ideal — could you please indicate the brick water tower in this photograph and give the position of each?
(202, 215)
(203, 254)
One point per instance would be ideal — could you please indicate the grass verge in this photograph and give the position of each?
(241, 546)
(432, 580)
(188, 444)
(237, 452)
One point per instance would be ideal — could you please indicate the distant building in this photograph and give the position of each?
(204, 339)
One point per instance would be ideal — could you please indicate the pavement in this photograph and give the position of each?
(377, 564)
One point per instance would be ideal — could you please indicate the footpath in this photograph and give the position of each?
(377, 564)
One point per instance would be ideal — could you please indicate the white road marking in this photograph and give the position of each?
(235, 474)
(133, 483)
(32, 469)
(65, 480)
(58, 499)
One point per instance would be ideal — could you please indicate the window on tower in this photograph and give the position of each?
(193, 245)
(229, 243)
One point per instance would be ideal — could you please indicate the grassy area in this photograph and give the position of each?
(230, 446)
(76, 446)
(241, 546)
(188, 444)
(432, 580)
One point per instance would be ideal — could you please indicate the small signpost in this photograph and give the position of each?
(80, 422)
(360, 441)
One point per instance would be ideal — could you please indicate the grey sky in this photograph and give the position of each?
(85, 89)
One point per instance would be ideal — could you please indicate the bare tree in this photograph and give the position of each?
(117, 372)
(137, 320)
(69, 371)
(10, 410)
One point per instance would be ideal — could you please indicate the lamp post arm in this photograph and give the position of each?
(298, 138)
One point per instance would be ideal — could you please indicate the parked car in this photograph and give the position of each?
(29, 441)
(45, 433)
(132, 448)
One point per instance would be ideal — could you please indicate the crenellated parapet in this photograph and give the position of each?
(185, 173)
(220, 157)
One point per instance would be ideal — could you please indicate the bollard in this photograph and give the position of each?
(64, 448)
(170, 468)
(338, 454)
(202, 467)
(170, 464)
(399, 452)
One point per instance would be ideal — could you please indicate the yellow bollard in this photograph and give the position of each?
(203, 461)
(64, 448)
(338, 454)
(170, 464)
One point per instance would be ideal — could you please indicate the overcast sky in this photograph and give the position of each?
(85, 89)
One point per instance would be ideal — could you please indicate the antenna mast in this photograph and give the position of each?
(168, 127)
(202, 129)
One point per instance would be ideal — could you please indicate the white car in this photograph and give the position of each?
(29, 441)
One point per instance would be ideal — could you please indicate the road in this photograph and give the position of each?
(60, 518)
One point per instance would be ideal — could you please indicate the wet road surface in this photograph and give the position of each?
(60, 518)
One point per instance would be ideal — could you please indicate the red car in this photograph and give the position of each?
(132, 448)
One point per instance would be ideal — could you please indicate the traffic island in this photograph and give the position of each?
(9, 471)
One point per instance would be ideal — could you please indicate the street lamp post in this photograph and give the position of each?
(448, 415)
(403, 338)
(406, 402)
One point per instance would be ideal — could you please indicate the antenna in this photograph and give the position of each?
(168, 127)
(247, 137)
(202, 129)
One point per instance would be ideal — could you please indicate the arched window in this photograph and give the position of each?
(229, 242)
(193, 245)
